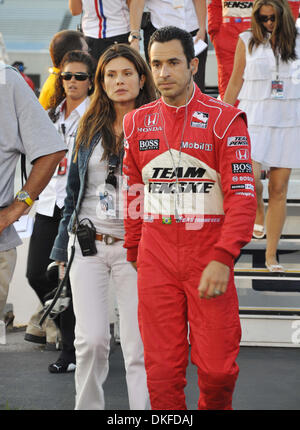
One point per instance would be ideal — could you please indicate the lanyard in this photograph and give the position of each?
(67, 133)
(277, 66)
(177, 193)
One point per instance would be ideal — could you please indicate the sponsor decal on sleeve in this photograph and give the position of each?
(242, 187)
(242, 154)
(237, 141)
(241, 193)
(241, 168)
(242, 178)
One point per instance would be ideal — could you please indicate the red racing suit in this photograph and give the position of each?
(183, 208)
(226, 20)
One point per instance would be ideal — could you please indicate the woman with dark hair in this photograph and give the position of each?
(67, 105)
(264, 80)
(122, 82)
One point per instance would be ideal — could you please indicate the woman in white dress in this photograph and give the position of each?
(264, 79)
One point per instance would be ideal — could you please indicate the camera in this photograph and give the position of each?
(86, 235)
(63, 300)
(113, 162)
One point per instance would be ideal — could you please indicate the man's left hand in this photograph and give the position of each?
(135, 44)
(214, 280)
(201, 34)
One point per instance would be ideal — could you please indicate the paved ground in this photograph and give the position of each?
(269, 379)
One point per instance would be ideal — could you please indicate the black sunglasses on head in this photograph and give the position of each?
(79, 76)
(266, 18)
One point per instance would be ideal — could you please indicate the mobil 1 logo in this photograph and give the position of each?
(241, 168)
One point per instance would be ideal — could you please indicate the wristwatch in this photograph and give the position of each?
(134, 35)
(23, 196)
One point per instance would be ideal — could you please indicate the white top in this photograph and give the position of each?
(105, 18)
(179, 13)
(273, 123)
(259, 72)
(55, 192)
(102, 204)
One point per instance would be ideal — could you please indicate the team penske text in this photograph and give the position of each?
(181, 187)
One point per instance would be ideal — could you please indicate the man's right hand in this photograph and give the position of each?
(11, 214)
(134, 265)
(61, 269)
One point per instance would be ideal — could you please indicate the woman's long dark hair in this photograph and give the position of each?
(100, 115)
(285, 31)
(59, 92)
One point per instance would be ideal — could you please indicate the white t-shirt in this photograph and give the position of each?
(105, 18)
(166, 12)
(103, 205)
(55, 192)
(25, 128)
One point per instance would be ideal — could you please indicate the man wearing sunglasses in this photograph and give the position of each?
(226, 20)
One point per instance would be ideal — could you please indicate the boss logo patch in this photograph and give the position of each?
(149, 144)
(241, 168)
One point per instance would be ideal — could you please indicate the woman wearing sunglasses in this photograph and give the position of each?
(266, 81)
(68, 104)
(122, 82)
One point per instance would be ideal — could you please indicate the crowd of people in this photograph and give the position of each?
(141, 180)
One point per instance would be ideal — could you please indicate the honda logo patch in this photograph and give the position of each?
(242, 154)
(151, 119)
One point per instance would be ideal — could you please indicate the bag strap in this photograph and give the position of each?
(23, 169)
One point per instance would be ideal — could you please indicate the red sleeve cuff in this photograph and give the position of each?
(132, 254)
(223, 257)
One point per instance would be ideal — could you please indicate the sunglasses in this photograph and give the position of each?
(79, 76)
(266, 18)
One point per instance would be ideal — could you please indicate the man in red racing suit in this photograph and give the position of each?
(226, 20)
(190, 202)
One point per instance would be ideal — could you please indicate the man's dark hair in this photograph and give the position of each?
(166, 34)
(63, 42)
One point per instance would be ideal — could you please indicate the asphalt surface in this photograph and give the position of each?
(269, 379)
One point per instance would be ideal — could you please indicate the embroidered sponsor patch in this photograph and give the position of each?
(194, 145)
(151, 119)
(242, 178)
(237, 141)
(199, 119)
(242, 187)
(149, 144)
(241, 168)
(242, 154)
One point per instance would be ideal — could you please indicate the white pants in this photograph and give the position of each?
(90, 281)
(7, 266)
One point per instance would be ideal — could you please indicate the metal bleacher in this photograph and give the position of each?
(270, 302)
